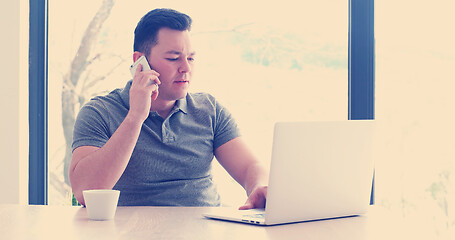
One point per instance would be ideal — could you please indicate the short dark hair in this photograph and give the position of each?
(146, 32)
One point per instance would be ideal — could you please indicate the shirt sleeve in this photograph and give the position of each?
(226, 128)
(91, 127)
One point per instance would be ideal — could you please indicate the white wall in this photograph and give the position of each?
(13, 103)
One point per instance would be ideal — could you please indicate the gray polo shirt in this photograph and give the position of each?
(171, 162)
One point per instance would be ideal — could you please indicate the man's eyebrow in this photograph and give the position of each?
(179, 53)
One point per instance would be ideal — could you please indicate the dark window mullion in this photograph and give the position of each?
(361, 62)
(38, 102)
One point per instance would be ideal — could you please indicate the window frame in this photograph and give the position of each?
(361, 63)
(361, 83)
(38, 170)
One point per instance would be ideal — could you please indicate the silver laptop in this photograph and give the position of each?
(319, 170)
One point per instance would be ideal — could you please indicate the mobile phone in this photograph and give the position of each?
(143, 61)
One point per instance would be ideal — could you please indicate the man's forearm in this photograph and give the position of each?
(256, 176)
(101, 169)
(241, 164)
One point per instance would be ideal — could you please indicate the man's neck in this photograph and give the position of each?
(163, 108)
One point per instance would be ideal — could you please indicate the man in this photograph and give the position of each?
(155, 144)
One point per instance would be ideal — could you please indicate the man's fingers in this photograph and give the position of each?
(146, 77)
(249, 204)
(246, 206)
(157, 80)
(139, 68)
(257, 199)
(155, 92)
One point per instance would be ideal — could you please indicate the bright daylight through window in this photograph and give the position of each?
(415, 164)
(284, 62)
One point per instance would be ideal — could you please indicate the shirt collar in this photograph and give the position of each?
(180, 104)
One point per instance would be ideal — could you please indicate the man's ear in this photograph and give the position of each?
(137, 55)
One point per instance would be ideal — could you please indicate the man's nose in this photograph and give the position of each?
(185, 66)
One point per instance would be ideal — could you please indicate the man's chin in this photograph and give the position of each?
(178, 96)
(183, 96)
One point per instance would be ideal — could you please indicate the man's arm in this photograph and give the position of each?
(101, 168)
(241, 164)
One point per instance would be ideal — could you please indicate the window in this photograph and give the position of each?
(282, 69)
(415, 56)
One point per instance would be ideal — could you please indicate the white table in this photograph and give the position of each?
(51, 222)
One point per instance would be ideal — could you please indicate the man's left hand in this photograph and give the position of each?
(256, 199)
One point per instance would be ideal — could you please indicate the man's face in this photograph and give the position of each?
(173, 59)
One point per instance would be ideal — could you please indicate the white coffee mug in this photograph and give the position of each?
(101, 204)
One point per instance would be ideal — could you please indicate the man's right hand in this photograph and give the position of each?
(142, 91)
